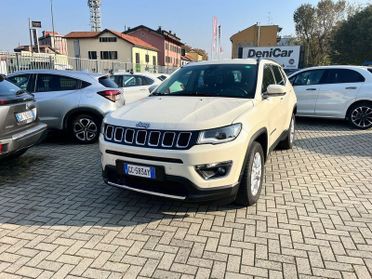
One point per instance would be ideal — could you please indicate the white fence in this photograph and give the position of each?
(12, 62)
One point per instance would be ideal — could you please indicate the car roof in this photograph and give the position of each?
(349, 67)
(60, 72)
(249, 61)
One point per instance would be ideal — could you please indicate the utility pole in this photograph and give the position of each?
(30, 32)
(52, 16)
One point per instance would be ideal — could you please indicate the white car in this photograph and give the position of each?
(137, 86)
(203, 134)
(343, 92)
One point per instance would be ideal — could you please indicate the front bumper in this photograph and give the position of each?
(173, 187)
(181, 180)
(24, 139)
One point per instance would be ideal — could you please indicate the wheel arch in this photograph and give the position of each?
(355, 103)
(81, 110)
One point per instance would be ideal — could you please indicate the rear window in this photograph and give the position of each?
(7, 88)
(107, 82)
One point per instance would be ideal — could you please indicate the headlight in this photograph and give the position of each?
(220, 135)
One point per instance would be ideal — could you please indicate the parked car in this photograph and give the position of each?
(137, 86)
(74, 102)
(203, 134)
(343, 92)
(19, 124)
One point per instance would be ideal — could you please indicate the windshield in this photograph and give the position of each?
(217, 80)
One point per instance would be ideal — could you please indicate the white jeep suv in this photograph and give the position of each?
(204, 134)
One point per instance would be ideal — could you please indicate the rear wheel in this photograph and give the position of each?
(360, 115)
(253, 173)
(85, 128)
(288, 142)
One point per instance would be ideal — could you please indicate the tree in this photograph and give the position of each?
(314, 28)
(352, 42)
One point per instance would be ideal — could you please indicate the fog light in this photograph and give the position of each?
(216, 170)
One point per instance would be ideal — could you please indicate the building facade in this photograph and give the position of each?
(112, 46)
(168, 44)
(55, 40)
(254, 36)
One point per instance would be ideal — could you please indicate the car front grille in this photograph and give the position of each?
(162, 139)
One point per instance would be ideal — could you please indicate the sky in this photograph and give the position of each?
(191, 20)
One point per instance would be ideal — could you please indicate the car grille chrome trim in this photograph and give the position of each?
(146, 191)
(160, 139)
(188, 141)
(121, 134)
(107, 131)
(157, 142)
(132, 137)
(145, 136)
(163, 139)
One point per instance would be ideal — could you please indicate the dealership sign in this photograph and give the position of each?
(287, 56)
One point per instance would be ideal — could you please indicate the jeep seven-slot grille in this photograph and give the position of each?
(164, 139)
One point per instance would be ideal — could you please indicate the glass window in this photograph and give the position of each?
(109, 55)
(107, 82)
(118, 80)
(92, 54)
(154, 60)
(370, 70)
(267, 78)
(47, 83)
(7, 88)
(147, 58)
(21, 81)
(278, 75)
(342, 76)
(137, 58)
(218, 80)
(107, 39)
(312, 77)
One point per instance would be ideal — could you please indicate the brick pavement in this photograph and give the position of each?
(314, 219)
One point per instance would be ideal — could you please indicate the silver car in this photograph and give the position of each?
(74, 102)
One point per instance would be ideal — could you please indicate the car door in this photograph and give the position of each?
(136, 87)
(284, 113)
(306, 87)
(338, 89)
(272, 106)
(55, 96)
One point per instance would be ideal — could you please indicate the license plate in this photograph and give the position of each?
(26, 116)
(141, 171)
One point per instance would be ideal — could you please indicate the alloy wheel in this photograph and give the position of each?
(362, 117)
(85, 129)
(256, 173)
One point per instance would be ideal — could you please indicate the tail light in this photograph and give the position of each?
(3, 148)
(112, 95)
(3, 102)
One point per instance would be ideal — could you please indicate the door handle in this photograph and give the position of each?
(311, 89)
(351, 88)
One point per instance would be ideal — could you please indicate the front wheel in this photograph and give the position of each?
(253, 173)
(360, 116)
(85, 129)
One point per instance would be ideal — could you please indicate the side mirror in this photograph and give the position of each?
(276, 90)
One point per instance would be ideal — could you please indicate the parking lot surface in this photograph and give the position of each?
(314, 219)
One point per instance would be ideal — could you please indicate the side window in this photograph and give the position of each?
(21, 81)
(47, 83)
(278, 75)
(267, 79)
(312, 77)
(342, 76)
(130, 82)
(147, 81)
(118, 80)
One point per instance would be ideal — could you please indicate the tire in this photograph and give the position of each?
(252, 178)
(85, 129)
(288, 142)
(360, 115)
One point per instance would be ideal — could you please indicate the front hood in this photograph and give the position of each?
(180, 113)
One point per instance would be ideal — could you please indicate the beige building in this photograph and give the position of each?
(111, 46)
(254, 36)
